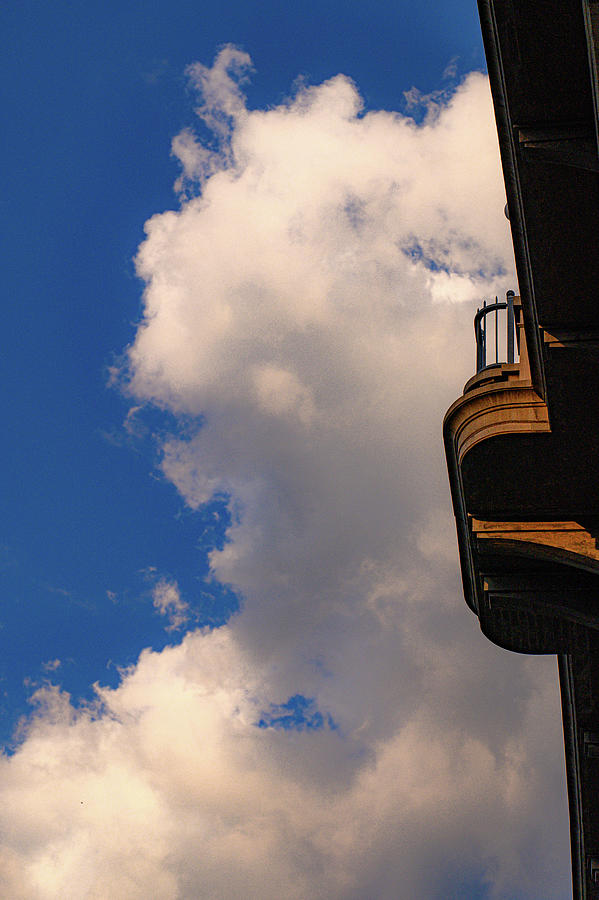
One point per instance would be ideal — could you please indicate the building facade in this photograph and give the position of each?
(522, 443)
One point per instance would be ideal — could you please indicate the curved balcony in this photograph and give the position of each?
(514, 509)
(499, 399)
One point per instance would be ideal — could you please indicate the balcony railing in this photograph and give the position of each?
(495, 330)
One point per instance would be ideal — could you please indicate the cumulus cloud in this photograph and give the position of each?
(311, 303)
(166, 788)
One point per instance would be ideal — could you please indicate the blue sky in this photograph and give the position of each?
(105, 515)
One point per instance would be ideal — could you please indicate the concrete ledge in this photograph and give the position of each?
(503, 405)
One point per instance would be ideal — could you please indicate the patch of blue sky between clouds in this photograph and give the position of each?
(434, 257)
(299, 713)
(474, 887)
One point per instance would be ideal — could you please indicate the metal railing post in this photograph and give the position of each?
(511, 325)
(496, 330)
(480, 335)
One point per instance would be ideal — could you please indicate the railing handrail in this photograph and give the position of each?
(480, 330)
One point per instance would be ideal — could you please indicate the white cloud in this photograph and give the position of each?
(51, 665)
(170, 790)
(166, 598)
(309, 304)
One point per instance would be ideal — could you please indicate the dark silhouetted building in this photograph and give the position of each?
(522, 442)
